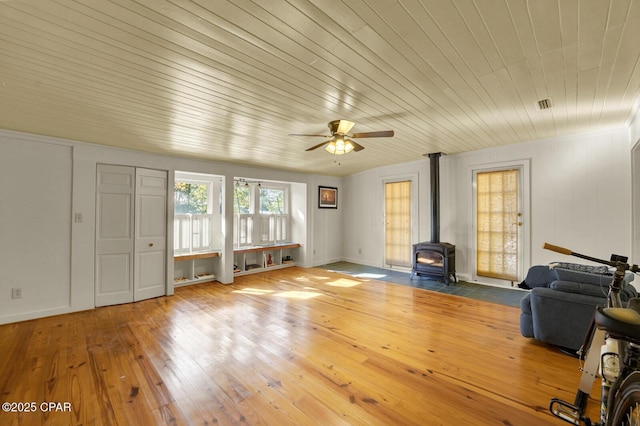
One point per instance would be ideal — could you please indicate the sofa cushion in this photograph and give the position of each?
(580, 288)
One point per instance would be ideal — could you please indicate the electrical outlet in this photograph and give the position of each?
(16, 293)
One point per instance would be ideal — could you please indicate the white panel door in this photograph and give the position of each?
(114, 234)
(150, 232)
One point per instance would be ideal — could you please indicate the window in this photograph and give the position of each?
(191, 197)
(194, 213)
(241, 199)
(272, 201)
(261, 213)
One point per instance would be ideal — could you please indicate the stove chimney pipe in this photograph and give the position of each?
(434, 167)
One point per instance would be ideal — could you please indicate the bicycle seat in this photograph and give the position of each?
(621, 323)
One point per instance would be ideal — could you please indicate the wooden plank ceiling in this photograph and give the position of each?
(229, 80)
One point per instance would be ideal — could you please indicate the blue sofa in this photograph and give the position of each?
(559, 307)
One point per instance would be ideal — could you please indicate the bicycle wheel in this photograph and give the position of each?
(624, 402)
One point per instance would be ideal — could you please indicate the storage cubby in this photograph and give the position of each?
(194, 268)
(251, 260)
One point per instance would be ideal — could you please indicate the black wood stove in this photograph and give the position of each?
(433, 258)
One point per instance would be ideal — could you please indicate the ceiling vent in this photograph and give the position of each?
(544, 104)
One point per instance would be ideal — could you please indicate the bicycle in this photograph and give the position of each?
(613, 336)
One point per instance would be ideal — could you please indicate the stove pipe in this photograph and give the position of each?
(434, 167)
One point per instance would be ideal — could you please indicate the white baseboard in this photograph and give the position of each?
(25, 316)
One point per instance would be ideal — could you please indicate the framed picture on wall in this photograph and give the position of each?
(327, 197)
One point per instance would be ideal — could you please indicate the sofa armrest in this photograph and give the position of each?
(540, 276)
(562, 318)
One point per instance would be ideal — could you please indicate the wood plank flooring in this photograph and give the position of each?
(286, 347)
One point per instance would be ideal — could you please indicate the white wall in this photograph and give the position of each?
(363, 210)
(580, 196)
(34, 247)
(580, 199)
(634, 141)
(55, 261)
(329, 248)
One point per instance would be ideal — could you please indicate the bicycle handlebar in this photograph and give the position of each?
(562, 250)
(557, 249)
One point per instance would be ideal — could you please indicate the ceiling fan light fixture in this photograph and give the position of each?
(339, 146)
(348, 147)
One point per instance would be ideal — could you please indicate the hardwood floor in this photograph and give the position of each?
(294, 346)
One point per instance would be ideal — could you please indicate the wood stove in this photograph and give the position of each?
(434, 258)
(437, 260)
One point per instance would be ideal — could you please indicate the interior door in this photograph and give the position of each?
(131, 222)
(150, 232)
(114, 234)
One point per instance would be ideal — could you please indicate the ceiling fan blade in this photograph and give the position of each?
(356, 146)
(303, 134)
(380, 134)
(344, 127)
(317, 146)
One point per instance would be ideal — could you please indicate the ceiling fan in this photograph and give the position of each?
(340, 142)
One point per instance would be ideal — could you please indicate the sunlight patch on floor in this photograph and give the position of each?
(313, 278)
(294, 294)
(344, 282)
(369, 275)
(255, 291)
(298, 294)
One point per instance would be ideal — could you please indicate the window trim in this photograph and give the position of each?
(249, 224)
(209, 181)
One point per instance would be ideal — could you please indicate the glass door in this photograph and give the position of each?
(498, 224)
(397, 196)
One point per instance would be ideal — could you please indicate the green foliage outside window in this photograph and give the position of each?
(241, 202)
(191, 198)
(272, 201)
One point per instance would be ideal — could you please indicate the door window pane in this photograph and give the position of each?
(497, 222)
(398, 223)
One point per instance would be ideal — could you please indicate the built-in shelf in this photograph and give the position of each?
(251, 260)
(194, 256)
(195, 267)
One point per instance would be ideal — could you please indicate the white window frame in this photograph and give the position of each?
(255, 228)
(191, 223)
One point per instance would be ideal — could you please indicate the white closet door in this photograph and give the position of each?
(150, 231)
(131, 222)
(114, 234)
